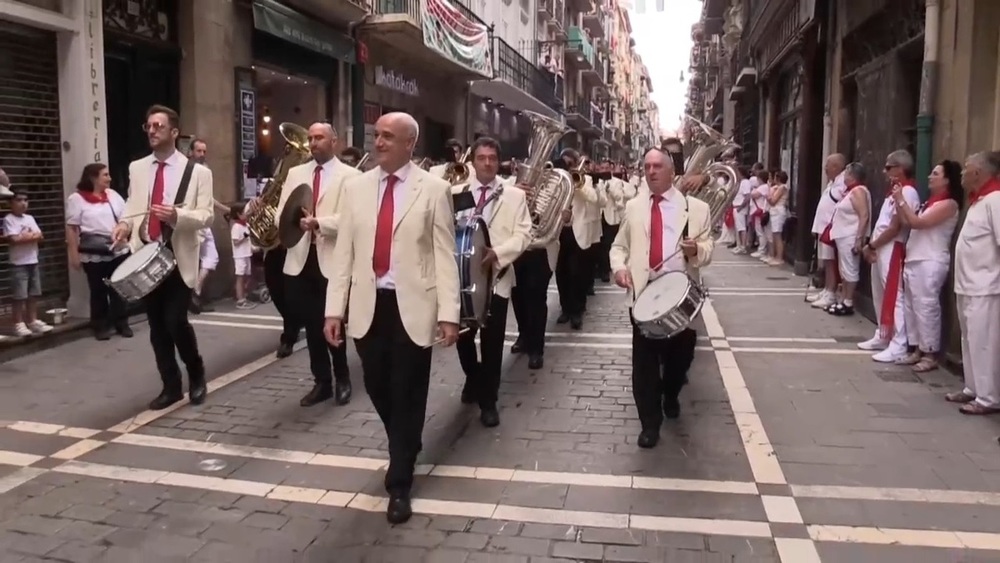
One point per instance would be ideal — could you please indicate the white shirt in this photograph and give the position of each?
(933, 244)
(742, 194)
(94, 217)
(977, 250)
(833, 193)
(761, 202)
(242, 247)
(325, 175)
(476, 189)
(888, 211)
(671, 206)
(22, 254)
(172, 174)
(846, 222)
(388, 281)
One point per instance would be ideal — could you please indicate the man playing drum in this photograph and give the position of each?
(177, 212)
(653, 239)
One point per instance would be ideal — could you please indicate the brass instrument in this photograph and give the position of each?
(579, 176)
(457, 172)
(710, 144)
(552, 189)
(262, 219)
(361, 163)
(424, 163)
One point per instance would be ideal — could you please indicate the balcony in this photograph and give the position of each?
(596, 74)
(594, 22)
(518, 83)
(400, 26)
(583, 117)
(552, 11)
(579, 51)
(337, 11)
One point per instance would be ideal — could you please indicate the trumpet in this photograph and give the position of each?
(578, 175)
(457, 172)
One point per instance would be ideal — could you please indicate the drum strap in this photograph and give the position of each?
(168, 231)
(684, 232)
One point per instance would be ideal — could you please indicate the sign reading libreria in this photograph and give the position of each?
(456, 36)
(386, 78)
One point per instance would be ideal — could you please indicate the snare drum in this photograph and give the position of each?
(668, 305)
(142, 272)
(472, 240)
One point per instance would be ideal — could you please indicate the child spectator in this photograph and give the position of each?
(22, 233)
(242, 252)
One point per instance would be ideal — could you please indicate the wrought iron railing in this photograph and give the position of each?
(511, 67)
(582, 107)
(408, 7)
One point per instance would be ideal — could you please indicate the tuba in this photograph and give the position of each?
(457, 172)
(710, 144)
(552, 189)
(262, 220)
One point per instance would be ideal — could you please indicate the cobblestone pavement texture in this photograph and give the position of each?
(792, 446)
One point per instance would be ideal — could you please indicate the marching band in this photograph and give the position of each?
(401, 257)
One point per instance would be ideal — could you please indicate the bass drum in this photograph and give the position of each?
(668, 305)
(472, 240)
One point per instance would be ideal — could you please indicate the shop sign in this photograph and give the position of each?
(285, 23)
(392, 80)
(248, 123)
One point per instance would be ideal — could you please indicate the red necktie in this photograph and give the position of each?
(317, 176)
(383, 230)
(482, 199)
(154, 226)
(655, 233)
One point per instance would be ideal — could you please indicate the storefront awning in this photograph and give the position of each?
(285, 23)
(511, 96)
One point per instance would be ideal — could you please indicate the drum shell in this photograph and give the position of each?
(677, 318)
(146, 277)
(472, 240)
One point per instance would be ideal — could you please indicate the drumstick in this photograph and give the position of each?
(441, 340)
(679, 250)
(146, 212)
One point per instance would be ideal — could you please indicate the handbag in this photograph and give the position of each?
(98, 244)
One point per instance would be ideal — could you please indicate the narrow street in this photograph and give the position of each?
(792, 446)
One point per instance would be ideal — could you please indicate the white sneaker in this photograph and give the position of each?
(814, 295)
(824, 301)
(21, 329)
(756, 254)
(873, 344)
(39, 327)
(889, 356)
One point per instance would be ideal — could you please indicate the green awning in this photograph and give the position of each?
(285, 23)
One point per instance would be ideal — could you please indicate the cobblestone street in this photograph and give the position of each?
(792, 446)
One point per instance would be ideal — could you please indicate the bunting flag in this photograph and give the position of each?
(456, 36)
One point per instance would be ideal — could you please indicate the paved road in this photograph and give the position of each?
(792, 446)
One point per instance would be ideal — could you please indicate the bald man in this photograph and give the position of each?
(395, 261)
(834, 191)
(308, 265)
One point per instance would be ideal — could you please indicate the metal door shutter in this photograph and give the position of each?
(30, 150)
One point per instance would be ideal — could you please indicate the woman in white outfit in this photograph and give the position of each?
(777, 199)
(758, 207)
(849, 232)
(928, 259)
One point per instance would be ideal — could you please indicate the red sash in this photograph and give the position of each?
(887, 320)
(989, 187)
(730, 218)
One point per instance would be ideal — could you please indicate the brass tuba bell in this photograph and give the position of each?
(710, 145)
(262, 219)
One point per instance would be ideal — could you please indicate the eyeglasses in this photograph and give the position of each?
(153, 127)
(889, 167)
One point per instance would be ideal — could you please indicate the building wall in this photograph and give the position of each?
(515, 21)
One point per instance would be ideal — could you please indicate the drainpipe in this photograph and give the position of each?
(830, 26)
(928, 82)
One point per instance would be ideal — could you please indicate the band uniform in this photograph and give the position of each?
(509, 225)
(309, 264)
(659, 367)
(394, 261)
(578, 234)
(153, 183)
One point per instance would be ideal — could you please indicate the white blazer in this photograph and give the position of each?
(586, 208)
(195, 215)
(630, 250)
(509, 227)
(327, 215)
(614, 203)
(423, 239)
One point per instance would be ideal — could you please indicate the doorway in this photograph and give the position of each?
(435, 134)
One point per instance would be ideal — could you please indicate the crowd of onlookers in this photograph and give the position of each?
(756, 221)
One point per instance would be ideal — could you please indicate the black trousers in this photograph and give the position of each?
(107, 308)
(659, 371)
(169, 330)
(274, 279)
(483, 376)
(530, 299)
(608, 234)
(573, 274)
(308, 295)
(397, 377)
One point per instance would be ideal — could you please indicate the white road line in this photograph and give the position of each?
(900, 536)
(717, 293)
(18, 478)
(243, 316)
(230, 324)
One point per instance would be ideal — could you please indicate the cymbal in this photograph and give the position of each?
(289, 232)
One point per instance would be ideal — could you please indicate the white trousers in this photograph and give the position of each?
(979, 318)
(922, 283)
(740, 218)
(763, 235)
(879, 275)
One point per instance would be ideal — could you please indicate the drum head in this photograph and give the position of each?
(481, 281)
(289, 232)
(661, 296)
(135, 261)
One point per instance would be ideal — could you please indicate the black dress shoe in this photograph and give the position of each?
(399, 510)
(342, 392)
(516, 348)
(468, 396)
(124, 330)
(536, 361)
(164, 400)
(318, 394)
(197, 390)
(648, 438)
(563, 319)
(489, 416)
(671, 407)
(103, 333)
(576, 322)
(606, 278)
(284, 350)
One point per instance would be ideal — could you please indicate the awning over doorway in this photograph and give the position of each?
(285, 23)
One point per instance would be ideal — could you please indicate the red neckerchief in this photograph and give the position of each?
(91, 197)
(989, 187)
(932, 200)
(241, 222)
